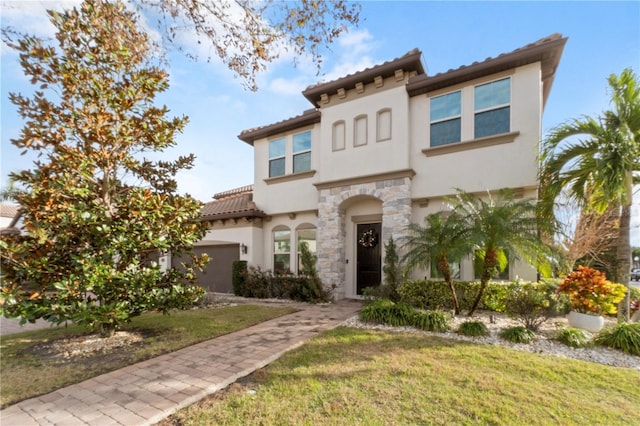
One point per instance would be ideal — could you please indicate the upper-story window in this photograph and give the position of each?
(301, 152)
(445, 116)
(277, 151)
(492, 108)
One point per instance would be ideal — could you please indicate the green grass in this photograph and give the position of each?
(26, 370)
(365, 377)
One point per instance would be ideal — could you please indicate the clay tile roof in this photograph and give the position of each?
(547, 50)
(8, 210)
(235, 203)
(410, 61)
(310, 116)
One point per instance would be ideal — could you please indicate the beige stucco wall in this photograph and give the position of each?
(376, 156)
(509, 164)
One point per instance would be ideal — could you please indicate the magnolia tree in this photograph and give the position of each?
(96, 210)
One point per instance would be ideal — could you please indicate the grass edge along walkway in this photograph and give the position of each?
(147, 392)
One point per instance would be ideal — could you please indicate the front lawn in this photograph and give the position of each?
(365, 377)
(37, 362)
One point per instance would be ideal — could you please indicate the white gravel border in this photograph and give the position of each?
(544, 344)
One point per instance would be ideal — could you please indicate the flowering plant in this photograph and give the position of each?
(589, 291)
(368, 239)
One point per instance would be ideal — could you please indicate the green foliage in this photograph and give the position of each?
(532, 303)
(572, 159)
(392, 270)
(384, 311)
(436, 295)
(238, 276)
(624, 336)
(473, 328)
(589, 291)
(436, 321)
(442, 239)
(265, 285)
(574, 337)
(518, 335)
(93, 238)
(502, 227)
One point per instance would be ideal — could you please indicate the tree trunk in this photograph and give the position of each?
(445, 270)
(489, 264)
(623, 260)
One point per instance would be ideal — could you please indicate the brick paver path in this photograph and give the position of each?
(147, 392)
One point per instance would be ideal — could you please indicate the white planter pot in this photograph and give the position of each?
(587, 322)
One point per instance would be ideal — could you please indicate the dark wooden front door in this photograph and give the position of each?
(368, 256)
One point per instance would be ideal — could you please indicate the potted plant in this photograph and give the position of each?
(591, 296)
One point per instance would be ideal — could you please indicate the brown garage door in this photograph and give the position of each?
(217, 275)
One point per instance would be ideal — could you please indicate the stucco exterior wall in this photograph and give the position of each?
(376, 156)
(512, 164)
(288, 193)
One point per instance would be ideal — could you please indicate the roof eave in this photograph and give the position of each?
(307, 118)
(549, 53)
(411, 62)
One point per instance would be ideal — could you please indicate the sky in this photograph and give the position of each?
(604, 38)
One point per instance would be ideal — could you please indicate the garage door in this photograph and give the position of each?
(217, 274)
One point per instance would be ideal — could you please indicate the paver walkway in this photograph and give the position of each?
(147, 392)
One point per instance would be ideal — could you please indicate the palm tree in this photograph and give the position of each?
(596, 160)
(502, 229)
(442, 240)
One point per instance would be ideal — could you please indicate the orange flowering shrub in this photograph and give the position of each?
(590, 291)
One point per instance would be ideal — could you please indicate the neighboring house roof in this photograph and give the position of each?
(235, 203)
(8, 210)
(547, 50)
(9, 215)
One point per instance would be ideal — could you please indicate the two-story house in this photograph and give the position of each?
(380, 149)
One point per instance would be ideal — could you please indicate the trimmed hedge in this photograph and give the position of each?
(435, 295)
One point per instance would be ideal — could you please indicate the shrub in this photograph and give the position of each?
(392, 272)
(473, 328)
(384, 311)
(518, 335)
(238, 276)
(624, 336)
(531, 303)
(574, 337)
(265, 284)
(436, 295)
(589, 291)
(436, 321)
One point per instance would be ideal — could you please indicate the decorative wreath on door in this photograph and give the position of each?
(368, 238)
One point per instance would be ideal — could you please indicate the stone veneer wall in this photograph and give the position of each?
(396, 215)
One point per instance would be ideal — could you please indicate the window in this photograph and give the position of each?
(492, 109)
(383, 125)
(308, 237)
(301, 152)
(360, 131)
(445, 117)
(338, 137)
(277, 150)
(453, 266)
(281, 251)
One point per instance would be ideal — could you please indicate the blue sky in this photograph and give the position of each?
(604, 38)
